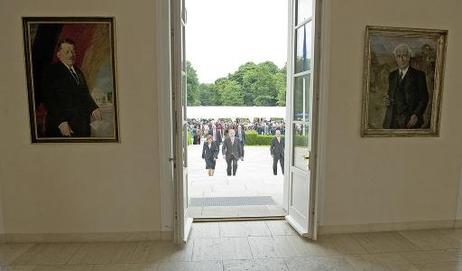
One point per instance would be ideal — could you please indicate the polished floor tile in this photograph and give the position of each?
(290, 246)
(47, 254)
(205, 230)
(103, 253)
(339, 244)
(126, 267)
(9, 252)
(260, 245)
(378, 242)
(255, 265)
(244, 229)
(191, 266)
(422, 258)
(431, 239)
(280, 227)
(383, 261)
(263, 247)
(207, 249)
(148, 252)
(169, 252)
(235, 248)
(64, 268)
(17, 268)
(319, 264)
(449, 266)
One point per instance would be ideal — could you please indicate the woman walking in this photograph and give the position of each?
(210, 154)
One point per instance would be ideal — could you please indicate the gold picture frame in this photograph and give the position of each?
(71, 79)
(402, 81)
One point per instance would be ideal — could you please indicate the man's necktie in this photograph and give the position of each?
(76, 77)
(400, 77)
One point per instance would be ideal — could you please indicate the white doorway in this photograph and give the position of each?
(299, 186)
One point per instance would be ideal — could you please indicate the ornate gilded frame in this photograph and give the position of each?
(408, 34)
(31, 23)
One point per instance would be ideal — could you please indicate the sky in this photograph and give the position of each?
(221, 35)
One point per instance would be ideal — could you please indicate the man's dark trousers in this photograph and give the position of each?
(279, 157)
(231, 160)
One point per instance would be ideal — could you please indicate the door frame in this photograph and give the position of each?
(322, 127)
(319, 132)
(182, 225)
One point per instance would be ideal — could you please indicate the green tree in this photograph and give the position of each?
(238, 76)
(192, 83)
(281, 79)
(208, 95)
(231, 93)
(262, 84)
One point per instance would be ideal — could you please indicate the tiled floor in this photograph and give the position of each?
(260, 245)
(254, 178)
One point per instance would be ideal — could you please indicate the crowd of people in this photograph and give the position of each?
(230, 135)
(199, 129)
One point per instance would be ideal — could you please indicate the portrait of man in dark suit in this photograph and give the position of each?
(403, 81)
(71, 80)
(66, 96)
(407, 96)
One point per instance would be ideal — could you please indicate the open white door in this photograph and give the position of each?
(178, 26)
(301, 123)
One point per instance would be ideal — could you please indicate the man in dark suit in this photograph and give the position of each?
(241, 136)
(215, 133)
(277, 151)
(232, 152)
(407, 96)
(69, 105)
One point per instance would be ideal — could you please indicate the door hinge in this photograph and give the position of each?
(172, 159)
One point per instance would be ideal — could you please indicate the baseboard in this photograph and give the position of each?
(397, 226)
(86, 237)
(458, 223)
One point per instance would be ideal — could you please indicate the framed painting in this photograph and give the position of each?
(71, 79)
(403, 81)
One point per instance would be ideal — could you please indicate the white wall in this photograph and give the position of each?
(66, 188)
(389, 180)
(115, 187)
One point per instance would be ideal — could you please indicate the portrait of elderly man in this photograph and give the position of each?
(70, 107)
(407, 96)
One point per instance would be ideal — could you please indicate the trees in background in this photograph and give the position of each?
(262, 84)
(192, 85)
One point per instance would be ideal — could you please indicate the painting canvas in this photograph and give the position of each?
(403, 81)
(70, 70)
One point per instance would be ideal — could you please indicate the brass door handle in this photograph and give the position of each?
(306, 157)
